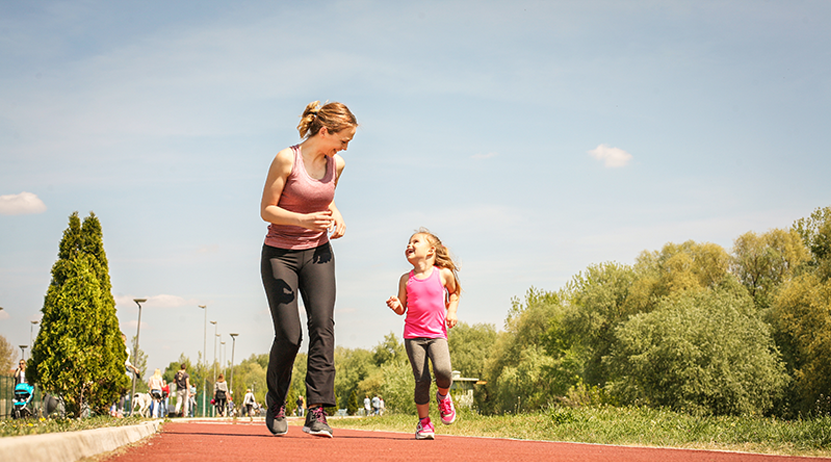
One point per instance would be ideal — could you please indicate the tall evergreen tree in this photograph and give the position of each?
(79, 353)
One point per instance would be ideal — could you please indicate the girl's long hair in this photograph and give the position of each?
(443, 257)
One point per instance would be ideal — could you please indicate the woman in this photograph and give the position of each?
(155, 384)
(20, 373)
(220, 395)
(298, 202)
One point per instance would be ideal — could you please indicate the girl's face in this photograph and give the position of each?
(419, 248)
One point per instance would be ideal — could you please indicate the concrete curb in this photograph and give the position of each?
(71, 446)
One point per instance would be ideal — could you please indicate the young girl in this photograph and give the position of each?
(429, 294)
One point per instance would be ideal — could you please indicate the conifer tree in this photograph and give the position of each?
(79, 353)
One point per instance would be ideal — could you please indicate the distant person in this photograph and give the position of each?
(192, 402)
(132, 372)
(299, 203)
(182, 379)
(376, 405)
(383, 406)
(155, 384)
(248, 402)
(429, 295)
(367, 406)
(20, 373)
(165, 399)
(301, 405)
(221, 395)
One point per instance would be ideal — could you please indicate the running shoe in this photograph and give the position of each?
(316, 423)
(275, 420)
(425, 431)
(446, 409)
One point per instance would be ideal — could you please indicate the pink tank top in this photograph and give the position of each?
(303, 194)
(426, 311)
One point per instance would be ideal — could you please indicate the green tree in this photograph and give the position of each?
(352, 366)
(390, 350)
(704, 351)
(250, 373)
(763, 262)
(815, 231)
(676, 268)
(6, 355)
(79, 353)
(352, 405)
(598, 302)
(470, 347)
(520, 348)
(802, 318)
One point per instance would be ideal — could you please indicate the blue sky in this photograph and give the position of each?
(535, 138)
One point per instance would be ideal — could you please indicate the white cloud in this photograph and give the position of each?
(611, 157)
(24, 203)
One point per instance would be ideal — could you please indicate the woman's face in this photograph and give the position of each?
(336, 142)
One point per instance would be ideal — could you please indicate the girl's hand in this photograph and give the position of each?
(452, 319)
(395, 304)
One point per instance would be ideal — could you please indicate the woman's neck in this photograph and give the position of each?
(310, 149)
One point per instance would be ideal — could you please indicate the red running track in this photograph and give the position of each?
(251, 441)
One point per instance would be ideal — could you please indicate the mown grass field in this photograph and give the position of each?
(630, 427)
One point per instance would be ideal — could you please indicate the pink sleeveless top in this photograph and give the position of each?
(426, 311)
(303, 194)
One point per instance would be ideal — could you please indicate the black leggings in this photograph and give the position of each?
(312, 272)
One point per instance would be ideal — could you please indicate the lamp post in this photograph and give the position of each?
(31, 330)
(204, 358)
(138, 301)
(23, 351)
(223, 354)
(218, 365)
(233, 346)
(213, 365)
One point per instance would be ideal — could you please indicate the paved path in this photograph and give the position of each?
(228, 441)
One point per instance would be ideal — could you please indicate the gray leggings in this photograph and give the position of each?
(419, 350)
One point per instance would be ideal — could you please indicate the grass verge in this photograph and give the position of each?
(10, 427)
(629, 427)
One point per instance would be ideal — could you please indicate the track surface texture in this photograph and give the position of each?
(251, 441)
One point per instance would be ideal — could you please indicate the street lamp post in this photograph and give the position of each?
(223, 355)
(205, 359)
(138, 301)
(23, 351)
(213, 365)
(233, 346)
(31, 331)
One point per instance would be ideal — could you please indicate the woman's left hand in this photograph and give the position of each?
(338, 226)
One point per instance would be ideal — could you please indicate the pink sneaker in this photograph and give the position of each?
(426, 431)
(446, 409)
